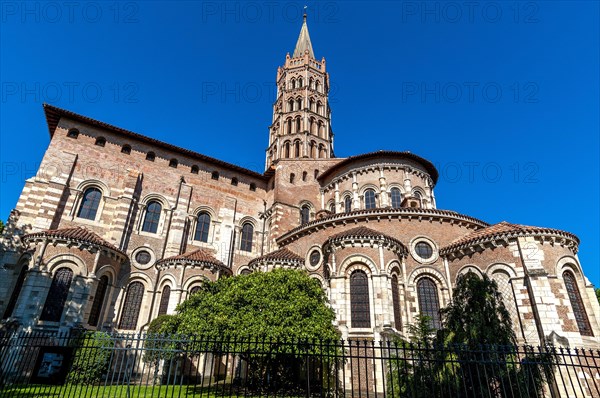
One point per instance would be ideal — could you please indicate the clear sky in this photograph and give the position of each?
(502, 96)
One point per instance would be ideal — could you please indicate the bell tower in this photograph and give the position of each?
(301, 127)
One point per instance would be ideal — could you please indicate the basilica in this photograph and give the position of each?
(117, 228)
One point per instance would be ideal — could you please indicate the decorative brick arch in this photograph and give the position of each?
(500, 267)
(469, 268)
(71, 261)
(107, 270)
(430, 272)
(394, 266)
(193, 280)
(568, 263)
(357, 261)
(167, 279)
(155, 197)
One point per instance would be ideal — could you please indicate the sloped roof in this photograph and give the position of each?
(54, 114)
(429, 167)
(503, 229)
(198, 256)
(283, 254)
(363, 232)
(78, 234)
(303, 42)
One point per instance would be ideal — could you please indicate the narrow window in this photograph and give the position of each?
(89, 204)
(173, 163)
(348, 204)
(396, 197)
(152, 217)
(359, 300)
(57, 295)
(370, 199)
(195, 169)
(316, 173)
(100, 141)
(304, 214)
(429, 303)
(292, 178)
(98, 301)
(131, 306)
(583, 322)
(396, 302)
(10, 307)
(202, 227)
(164, 300)
(246, 241)
(150, 156)
(234, 182)
(215, 175)
(332, 208)
(126, 149)
(287, 150)
(253, 187)
(304, 175)
(73, 133)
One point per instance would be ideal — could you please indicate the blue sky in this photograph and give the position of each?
(503, 97)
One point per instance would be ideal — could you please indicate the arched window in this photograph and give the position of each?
(286, 149)
(396, 302)
(332, 208)
(300, 82)
(396, 197)
(89, 203)
(173, 163)
(57, 295)
(298, 127)
(195, 169)
(246, 240)
(164, 300)
(245, 271)
(290, 104)
(202, 227)
(304, 175)
(292, 83)
(359, 300)
(288, 125)
(316, 173)
(321, 151)
(100, 141)
(10, 307)
(318, 86)
(73, 133)
(348, 204)
(583, 322)
(304, 214)
(150, 156)
(502, 279)
(152, 217)
(297, 149)
(418, 195)
(98, 301)
(370, 199)
(131, 306)
(313, 149)
(429, 303)
(126, 149)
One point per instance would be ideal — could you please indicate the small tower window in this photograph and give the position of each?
(292, 178)
(150, 156)
(195, 169)
(126, 149)
(253, 187)
(73, 133)
(234, 181)
(304, 175)
(215, 175)
(173, 163)
(316, 173)
(100, 141)
(348, 204)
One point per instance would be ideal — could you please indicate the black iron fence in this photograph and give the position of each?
(94, 364)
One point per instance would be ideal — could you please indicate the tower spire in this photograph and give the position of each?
(303, 42)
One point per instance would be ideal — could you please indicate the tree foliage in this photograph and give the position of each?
(278, 305)
(477, 314)
(598, 294)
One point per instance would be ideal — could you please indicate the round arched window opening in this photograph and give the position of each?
(315, 258)
(424, 250)
(143, 257)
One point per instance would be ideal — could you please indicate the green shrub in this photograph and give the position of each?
(91, 357)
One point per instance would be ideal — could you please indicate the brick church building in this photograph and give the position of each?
(117, 228)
